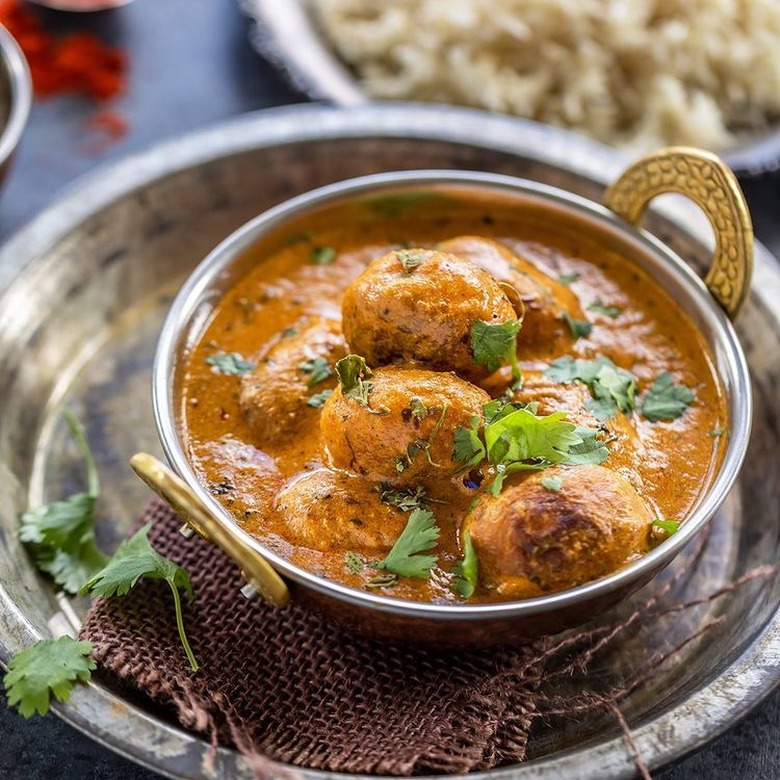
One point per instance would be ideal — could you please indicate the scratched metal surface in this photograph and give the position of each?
(78, 327)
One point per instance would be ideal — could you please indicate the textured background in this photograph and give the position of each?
(191, 65)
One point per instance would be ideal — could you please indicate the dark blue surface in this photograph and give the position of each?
(191, 65)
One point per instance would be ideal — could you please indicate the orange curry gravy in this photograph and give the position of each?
(671, 463)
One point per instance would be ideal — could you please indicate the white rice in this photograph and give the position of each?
(635, 74)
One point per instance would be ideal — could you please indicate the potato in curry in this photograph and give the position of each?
(445, 402)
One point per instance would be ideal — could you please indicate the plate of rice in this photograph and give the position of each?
(634, 76)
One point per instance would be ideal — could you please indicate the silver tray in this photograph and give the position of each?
(285, 33)
(85, 287)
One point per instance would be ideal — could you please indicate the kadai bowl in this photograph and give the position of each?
(458, 407)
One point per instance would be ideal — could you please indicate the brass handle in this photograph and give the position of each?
(709, 183)
(176, 493)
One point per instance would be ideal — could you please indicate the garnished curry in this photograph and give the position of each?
(445, 401)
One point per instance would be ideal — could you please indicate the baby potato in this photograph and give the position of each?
(531, 535)
(330, 511)
(544, 332)
(274, 396)
(404, 432)
(420, 305)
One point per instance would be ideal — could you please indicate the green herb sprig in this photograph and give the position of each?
(50, 667)
(230, 364)
(136, 559)
(494, 345)
(61, 535)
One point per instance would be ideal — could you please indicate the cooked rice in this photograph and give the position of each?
(633, 74)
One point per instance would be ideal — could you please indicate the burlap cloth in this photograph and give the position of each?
(287, 685)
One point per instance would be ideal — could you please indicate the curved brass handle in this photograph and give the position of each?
(175, 492)
(709, 183)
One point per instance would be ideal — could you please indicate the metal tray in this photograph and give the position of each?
(285, 34)
(85, 287)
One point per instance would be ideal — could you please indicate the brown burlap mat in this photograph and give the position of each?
(289, 686)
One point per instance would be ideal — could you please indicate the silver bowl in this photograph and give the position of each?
(15, 98)
(709, 303)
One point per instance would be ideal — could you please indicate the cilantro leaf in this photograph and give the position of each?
(667, 526)
(406, 499)
(134, 559)
(322, 255)
(318, 370)
(353, 374)
(494, 345)
(613, 312)
(517, 439)
(578, 328)
(318, 399)
(61, 535)
(591, 449)
(553, 484)
(666, 400)
(411, 258)
(567, 279)
(230, 364)
(468, 447)
(354, 562)
(466, 571)
(522, 439)
(613, 388)
(717, 431)
(404, 559)
(49, 667)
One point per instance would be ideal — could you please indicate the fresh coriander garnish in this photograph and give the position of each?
(134, 559)
(230, 363)
(354, 562)
(410, 258)
(322, 255)
(553, 484)
(50, 667)
(318, 399)
(405, 558)
(287, 332)
(613, 388)
(402, 462)
(318, 370)
(61, 535)
(494, 345)
(417, 409)
(516, 439)
(579, 328)
(667, 526)
(466, 571)
(354, 376)
(384, 580)
(407, 499)
(567, 279)
(598, 307)
(717, 431)
(666, 400)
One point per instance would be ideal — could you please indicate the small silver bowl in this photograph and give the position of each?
(710, 303)
(15, 98)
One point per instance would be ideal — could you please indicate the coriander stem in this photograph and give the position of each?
(80, 438)
(180, 626)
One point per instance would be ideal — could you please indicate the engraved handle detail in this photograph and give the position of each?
(174, 491)
(708, 182)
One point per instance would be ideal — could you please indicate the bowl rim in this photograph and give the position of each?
(20, 83)
(191, 295)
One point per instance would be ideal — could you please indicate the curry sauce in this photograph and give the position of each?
(258, 445)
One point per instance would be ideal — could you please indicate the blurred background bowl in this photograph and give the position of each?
(15, 98)
(285, 33)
